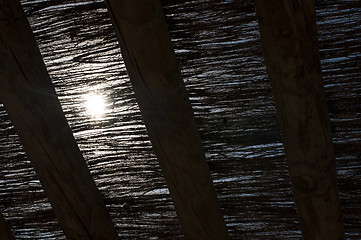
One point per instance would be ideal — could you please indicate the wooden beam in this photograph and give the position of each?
(34, 109)
(5, 231)
(156, 78)
(289, 41)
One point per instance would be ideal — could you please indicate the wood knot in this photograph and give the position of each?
(305, 183)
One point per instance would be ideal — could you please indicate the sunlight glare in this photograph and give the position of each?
(95, 105)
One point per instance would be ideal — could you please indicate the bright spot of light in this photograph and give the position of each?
(95, 105)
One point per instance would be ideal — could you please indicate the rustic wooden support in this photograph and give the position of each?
(156, 78)
(5, 231)
(34, 109)
(289, 41)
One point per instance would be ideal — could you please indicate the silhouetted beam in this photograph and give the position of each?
(289, 40)
(5, 232)
(29, 97)
(167, 113)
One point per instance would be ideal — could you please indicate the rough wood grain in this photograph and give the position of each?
(289, 41)
(34, 109)
(168, 116)
(5, 231)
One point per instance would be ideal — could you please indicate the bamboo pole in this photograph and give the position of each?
(156, 79)
(5, 231)
(34, 109)
(289, 41)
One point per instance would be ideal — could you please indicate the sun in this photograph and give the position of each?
(95, 105)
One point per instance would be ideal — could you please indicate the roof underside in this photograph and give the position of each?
(217, 44)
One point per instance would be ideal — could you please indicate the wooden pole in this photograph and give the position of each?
(289, 41)
(34, 109)
(168, 116)
(5, 231)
